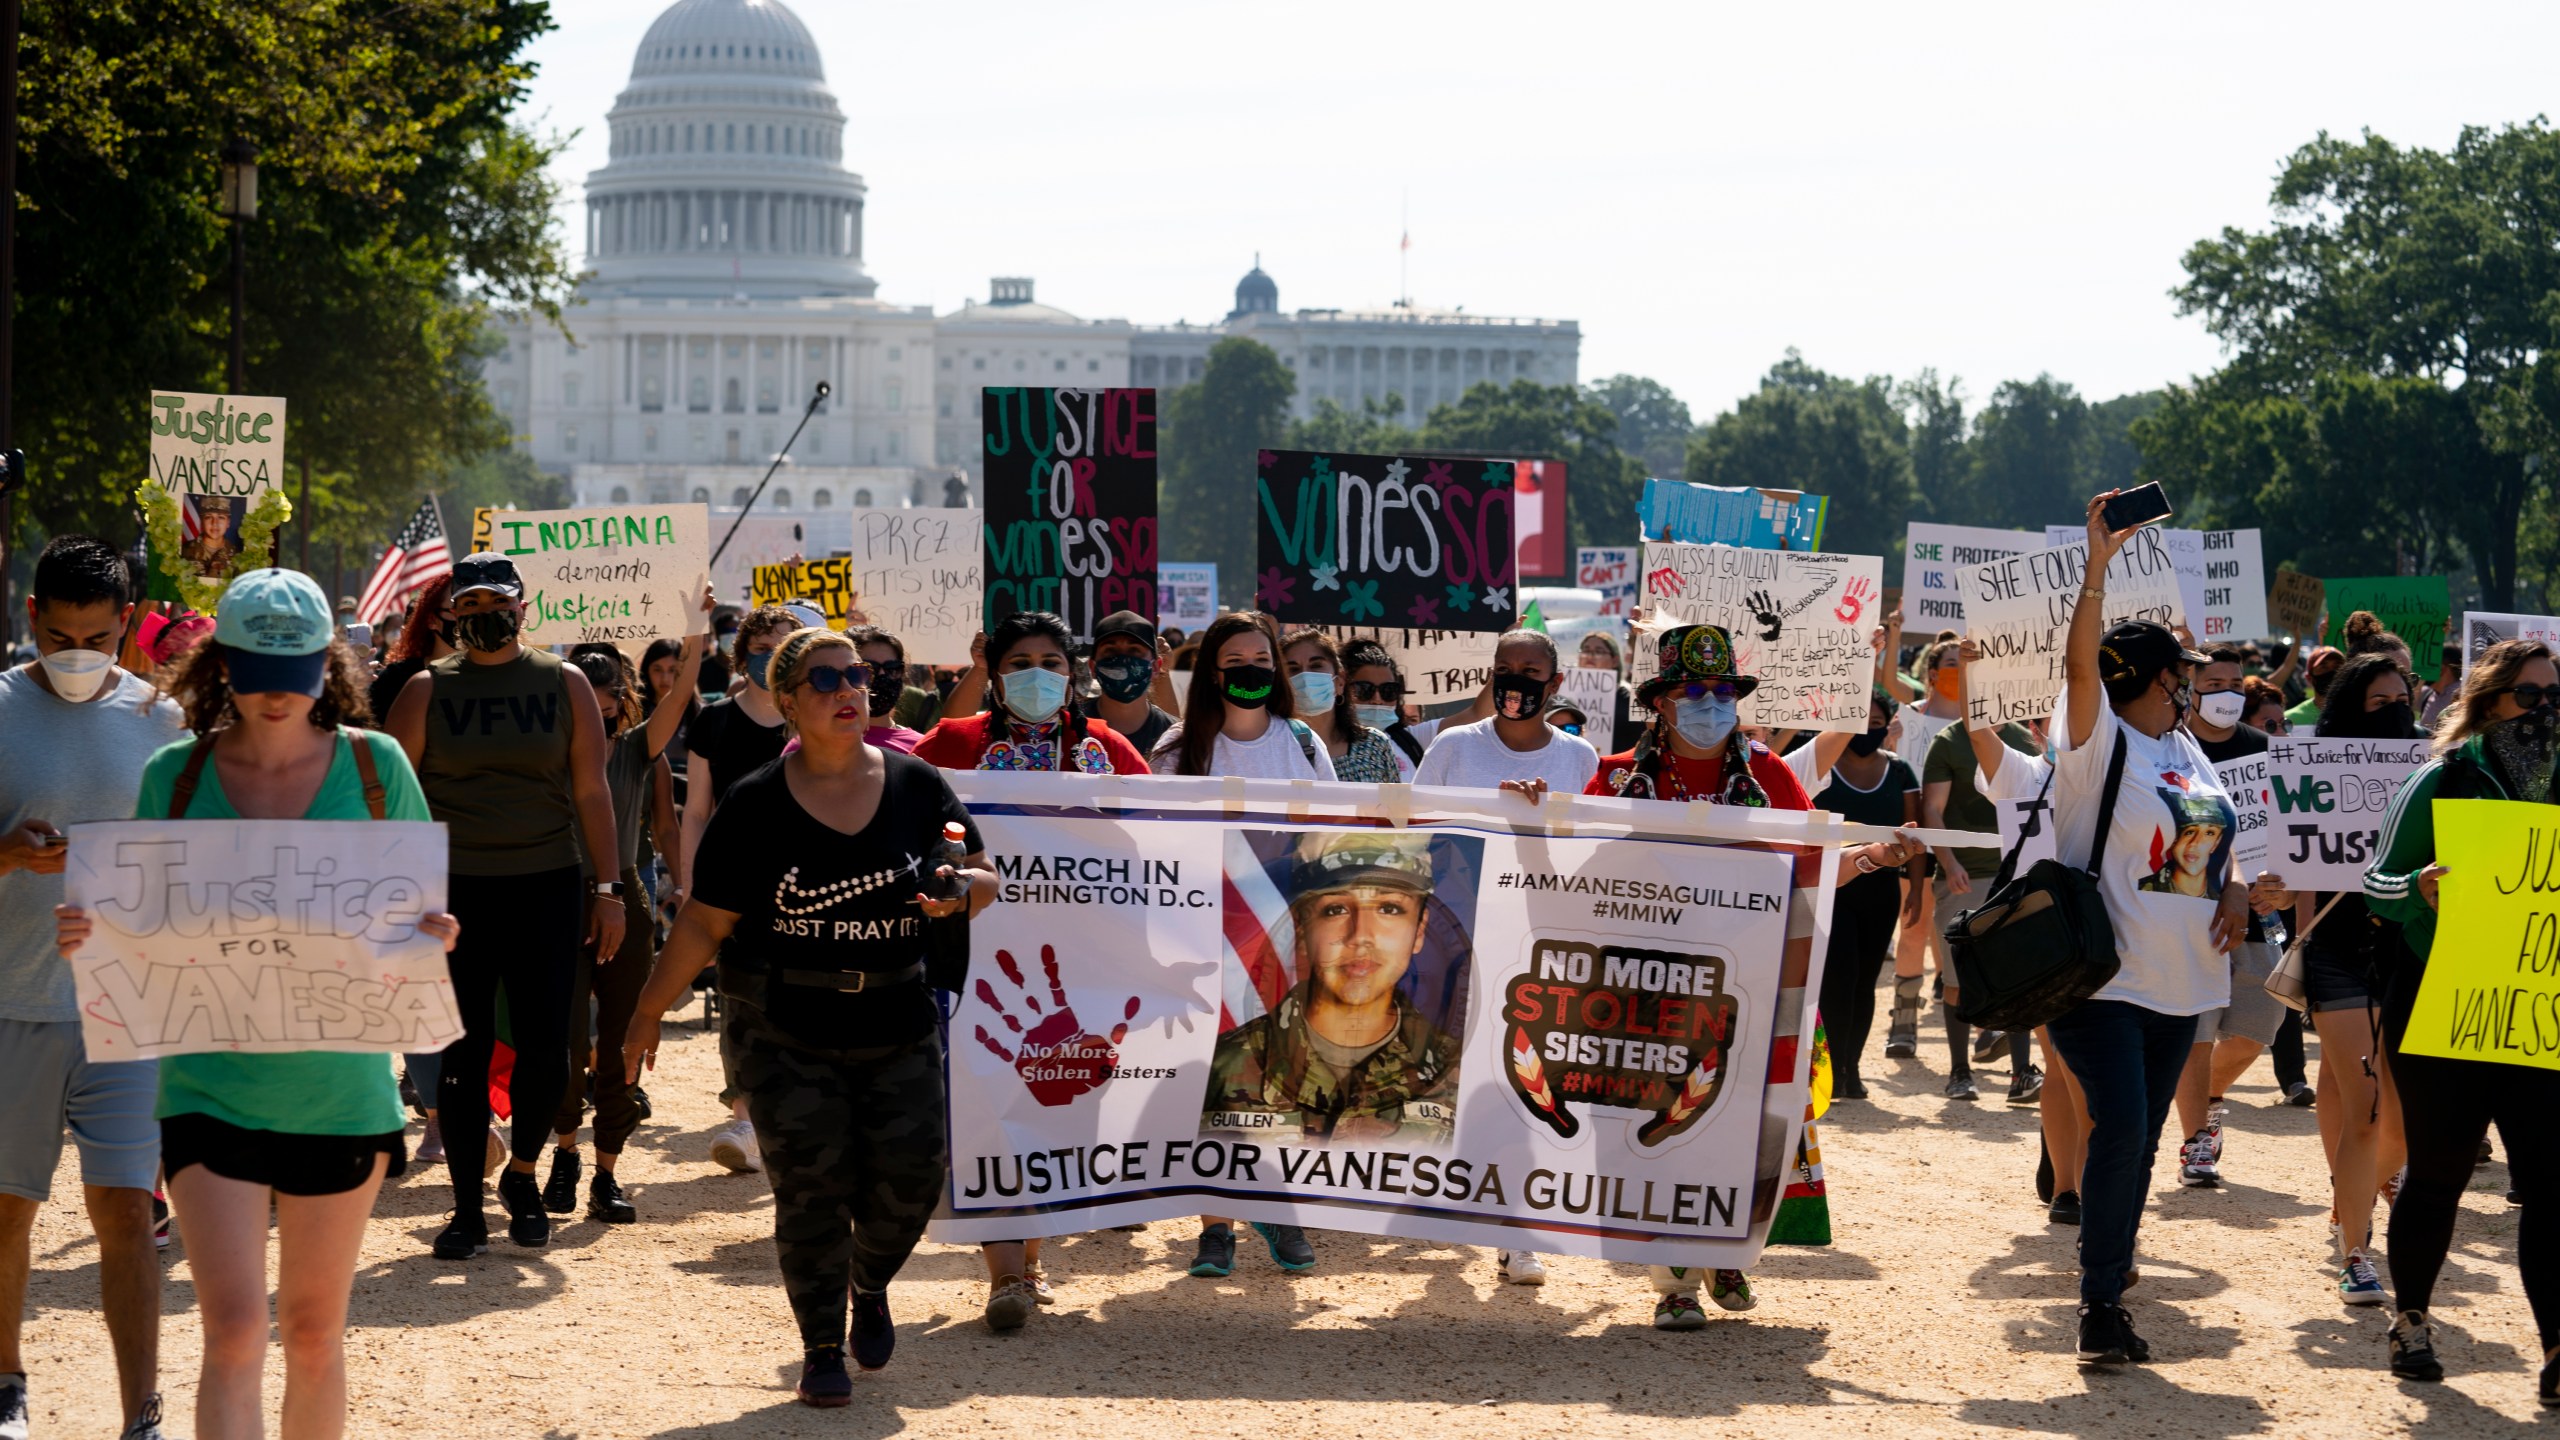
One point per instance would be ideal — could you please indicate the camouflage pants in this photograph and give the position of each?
(856, 1145)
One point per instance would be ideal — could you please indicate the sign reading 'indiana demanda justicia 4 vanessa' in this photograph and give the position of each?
(1408, 540)
(216, 444)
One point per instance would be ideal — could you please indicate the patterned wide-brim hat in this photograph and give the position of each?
(1691, 653)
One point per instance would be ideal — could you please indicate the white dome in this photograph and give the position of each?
(697, 37)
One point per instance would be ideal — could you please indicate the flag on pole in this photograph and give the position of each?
(415, 557)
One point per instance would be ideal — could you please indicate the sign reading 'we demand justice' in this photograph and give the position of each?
(1071, 502)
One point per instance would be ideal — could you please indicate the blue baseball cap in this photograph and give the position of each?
(274, 628)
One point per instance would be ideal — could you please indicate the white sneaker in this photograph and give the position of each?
(1522, 1267)
(734, 1146)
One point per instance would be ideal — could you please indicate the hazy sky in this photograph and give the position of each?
(1993, 190)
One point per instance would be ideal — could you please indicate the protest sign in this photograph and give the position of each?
(231, 445)
(1602, 1025)
(259, 936)
(1611, 570)
(2492, 987)
(2015, 813)
(1747, 517)
(2221, 579)
(2482, 629)
(1537, 513)
(1186, 594)
(1799, 622)
(2295, 602)
(1071, 502)
(2330, 798)
(610, 573)
(1380, 539)
(1443, 669)
(2245, 780)
(1591, 689)
(2019, 610)
(2413, 607)
(912, 572)
(1933, 557)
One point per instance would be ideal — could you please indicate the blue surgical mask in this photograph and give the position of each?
(1704, 722)
(757, 664)
(1033, 695)
(1314, 690)
(1376, 717)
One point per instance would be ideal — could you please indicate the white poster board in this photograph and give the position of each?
(2222, 579)
(610, 573)
(1444, 670)
(260, 936)
(1186, 594)
(2245, 781)
(2484, 628)
(216, 444)
(2330, 800)
(916, 574)
(1934, 555)
(1611, 570)
(1590, 689)
(2019, 611)
(1799, 621)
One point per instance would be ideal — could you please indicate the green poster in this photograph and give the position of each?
(2413, 607)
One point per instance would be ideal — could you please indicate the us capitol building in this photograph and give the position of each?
(724, 236)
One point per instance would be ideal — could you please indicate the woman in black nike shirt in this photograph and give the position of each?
(819, 873)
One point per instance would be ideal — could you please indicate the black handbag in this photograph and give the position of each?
(2041, 943)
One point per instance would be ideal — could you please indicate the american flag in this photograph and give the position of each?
(416, 556)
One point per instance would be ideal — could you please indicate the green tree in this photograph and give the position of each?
(2033, 456)
(1825, 435)
(1376, 429)
(1653, 425)
(1208, 436)
(1550, 422)
(1941, 473)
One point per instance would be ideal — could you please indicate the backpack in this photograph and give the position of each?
(182, 793)
(2042, 942)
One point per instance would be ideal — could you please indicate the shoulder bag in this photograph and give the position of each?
(2289, 982)
(2042, 942)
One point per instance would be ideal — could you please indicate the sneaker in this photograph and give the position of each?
(874, 1334)
(640, 1100)
(1960, 1086)
(146, 1426)
(1731, 1290)
(2358, 1284)
(1989, 1045)
(527, 1224)
(1850, 1089)
(1038, 1280)
(2103, 1335)
(431, 1144)
(2300, 1095)
(1522, 1267)
(493, 1157)
(464, 1237)
(2196, 1169)
(733, 1147)
(2413, 1349)
(560, 1196)
(2065, 1209)
(2391, 1189)
(2212, 1134)
(1678, 1312)
(1289, 1248)
(2136, 1349)
(823, 1383)
(159, 1230)
(13, 1407)
(1217, 1257)
(606, 1202)
(2028, 1087)
(2484, 1151)
(1010, 1303)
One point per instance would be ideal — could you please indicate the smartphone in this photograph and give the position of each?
(49, 842)
(2138, 506)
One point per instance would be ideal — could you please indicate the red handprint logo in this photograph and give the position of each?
(1854, 601)
(1056, 1058)
(1664, 581)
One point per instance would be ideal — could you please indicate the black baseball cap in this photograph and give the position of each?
(2140, 649)
(482, 570)
(1127, 622)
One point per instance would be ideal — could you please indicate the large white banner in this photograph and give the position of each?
(2222, 579)
(2330, 798)
(610, 573)
(1799, 621)
(216, 444)
(259, 935)
(1935, 555)
(2019, 610)
(1590, 1040)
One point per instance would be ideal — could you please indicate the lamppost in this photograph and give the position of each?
(239, 206)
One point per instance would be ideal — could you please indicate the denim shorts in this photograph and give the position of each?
(50, 1084)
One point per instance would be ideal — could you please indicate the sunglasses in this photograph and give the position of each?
(1570, 729)
(888, 673)
(1389, 691)
(1701, 689)
(828, 679)
(2533, 696)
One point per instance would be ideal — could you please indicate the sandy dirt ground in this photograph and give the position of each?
(1946, 1307)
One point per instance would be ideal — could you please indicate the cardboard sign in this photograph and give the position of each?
(1385, 540)
(2019, 610)
(2413, 607)
(2492, 988)
(1933, 558)
(2295, 602)
(2482, 629)
(216, 444)
(1745, 517)
(2330, 800)
(1071, 503)
(1611, 570)
(1799, 622)
(1186, 594)
(610, 573)
(259, 936)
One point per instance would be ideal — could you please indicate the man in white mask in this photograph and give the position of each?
(78, 730)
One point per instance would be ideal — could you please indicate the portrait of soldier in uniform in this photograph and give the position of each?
(1344, 1053)
(215, 542)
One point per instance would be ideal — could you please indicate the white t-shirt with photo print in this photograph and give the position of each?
(2168, 856)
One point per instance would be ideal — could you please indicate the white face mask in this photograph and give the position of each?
(2222, 708)
(77, 674)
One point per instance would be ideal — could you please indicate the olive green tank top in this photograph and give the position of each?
(496, 770)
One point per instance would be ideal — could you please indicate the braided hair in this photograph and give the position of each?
(1643, 777)
(1010, 632)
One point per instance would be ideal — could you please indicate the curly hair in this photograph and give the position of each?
(201, 684)
(2261, 691)
(420, 630)
(610, 671)
(790, 665)
(2487, 678)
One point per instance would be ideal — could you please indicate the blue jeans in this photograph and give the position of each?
(2127, 1060)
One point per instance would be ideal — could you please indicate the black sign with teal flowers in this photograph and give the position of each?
(1398, 540)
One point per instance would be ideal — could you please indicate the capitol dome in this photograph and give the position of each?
(726, 174)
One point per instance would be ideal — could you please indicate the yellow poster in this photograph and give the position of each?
(827, 584)
(2492, 990)
(480, 527)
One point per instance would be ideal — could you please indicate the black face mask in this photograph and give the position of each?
(1248, 687)
(884, 698)
(1866, 744)
(1518, 697)
(487, 630)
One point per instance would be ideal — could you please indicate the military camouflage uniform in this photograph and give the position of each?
(857, 1147)
(1265, 1073)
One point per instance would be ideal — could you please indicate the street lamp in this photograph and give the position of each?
(239, 205)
